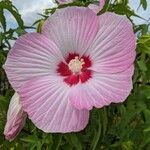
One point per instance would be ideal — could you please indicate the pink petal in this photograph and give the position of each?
(64, 1)
(72, 29)
(112, 53)
(113, 49)
(102, 3)
(96, 8)
(33, 55)
(15, 118)
(102, 89)
(46, 101)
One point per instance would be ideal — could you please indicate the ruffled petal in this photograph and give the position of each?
(32, 55)
(72, 29)
(101, 4)
(94, 8)
(102, 89)
(64, 1)
(97, 7)
(15, 118)
(46, 101)
(113, 49)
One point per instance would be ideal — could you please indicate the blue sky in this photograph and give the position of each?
(29, 9)
(139, 10)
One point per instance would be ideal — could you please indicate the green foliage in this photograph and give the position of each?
(6, 4)
(123, 126)
(144, 44)
(144, 4)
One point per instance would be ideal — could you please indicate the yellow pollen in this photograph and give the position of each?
(75, 65)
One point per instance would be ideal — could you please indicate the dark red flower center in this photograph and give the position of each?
(76, 69)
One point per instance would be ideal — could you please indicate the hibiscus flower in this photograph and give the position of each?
(15, 118)
(78, 61)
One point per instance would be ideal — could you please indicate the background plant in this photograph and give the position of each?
(123, 126)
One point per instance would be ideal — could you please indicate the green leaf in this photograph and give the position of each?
(39, 27)
(144, 4)
(142, 65)
(104, 119)
(73, 140)
(147, 115)
(97, 134)
(124, 10)
(8, 6)
(57, 142)
(2, 19)
(29, 139)
(146, 91)
(20, 31)
(144, 43)
(127, 145)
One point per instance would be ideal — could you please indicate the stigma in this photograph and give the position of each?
(76, 65)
